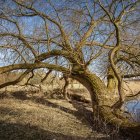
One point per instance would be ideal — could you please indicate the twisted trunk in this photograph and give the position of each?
(102, 102)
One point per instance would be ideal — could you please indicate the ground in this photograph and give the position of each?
(36, 118)
(27, 115)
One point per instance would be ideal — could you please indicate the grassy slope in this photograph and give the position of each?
(36, 118)
(31, 116)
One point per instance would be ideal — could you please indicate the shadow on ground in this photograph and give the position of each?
(81, 112)
(15, 131)
(27, 132)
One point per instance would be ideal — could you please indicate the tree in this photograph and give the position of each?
(78, 34)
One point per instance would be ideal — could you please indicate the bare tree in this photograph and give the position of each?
(81, 34)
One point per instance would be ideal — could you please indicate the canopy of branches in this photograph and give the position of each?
(68, 34)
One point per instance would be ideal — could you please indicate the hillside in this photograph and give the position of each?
(26, 118)
(27, 114)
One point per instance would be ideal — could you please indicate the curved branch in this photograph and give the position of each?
(72, 57)
(64, 35)
(131, 75)
(20, 37)
(30, 78)
(33, 66)
(94, 43)
(46, 55)
(19, 79)
(46, 76)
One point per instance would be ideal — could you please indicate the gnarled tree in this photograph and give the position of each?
(81, 35)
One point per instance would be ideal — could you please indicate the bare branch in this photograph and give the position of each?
(46, 76)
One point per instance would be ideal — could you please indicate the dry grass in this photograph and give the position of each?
(25, 117)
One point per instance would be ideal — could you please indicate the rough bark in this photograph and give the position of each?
(65, 93)
(101, 103)
(112, 82)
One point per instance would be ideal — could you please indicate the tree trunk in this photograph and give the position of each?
(65, 93)
(112, 82)
(116, 88)
(102, 102)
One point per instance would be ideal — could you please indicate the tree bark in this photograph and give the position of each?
(112, 82)
(65, 93)
(102, 102)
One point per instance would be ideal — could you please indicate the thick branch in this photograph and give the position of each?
(33, 66)
(19, 79)
(131, 75)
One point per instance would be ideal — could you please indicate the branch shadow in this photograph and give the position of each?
(81, 113)
(17, 131)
